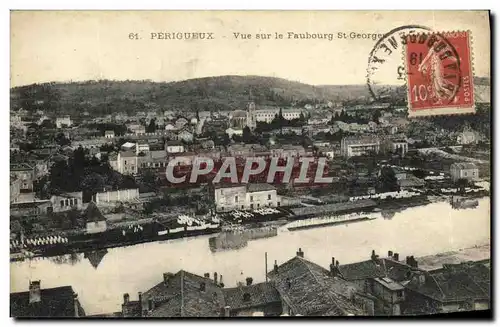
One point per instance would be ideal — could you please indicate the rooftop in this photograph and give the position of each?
(310, 290)
(259, 187)
(464, 165)
(258, 295)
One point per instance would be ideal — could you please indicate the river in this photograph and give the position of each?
(417, 231)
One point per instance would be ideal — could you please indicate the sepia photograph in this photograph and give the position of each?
(229, 164)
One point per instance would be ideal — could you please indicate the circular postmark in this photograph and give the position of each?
(385, 76)
(388, 71)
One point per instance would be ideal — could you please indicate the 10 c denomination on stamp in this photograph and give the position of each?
(439, 74)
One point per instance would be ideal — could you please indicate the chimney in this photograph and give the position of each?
(221, 284)
(35, 291)
(227, 310)
(166, 278)
(215, 277)
(300, 253)
(75, 304)
(206, 275)
(396, 256)
(249, 281)
(202, 287)
(389, 254)
(408, 260)
(373, 256)
(337, 263)
(275, 266)
(140, 297)
(126, 298)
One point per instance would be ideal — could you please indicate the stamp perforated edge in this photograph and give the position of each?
(448, 111)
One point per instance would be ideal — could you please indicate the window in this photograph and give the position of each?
(125, 161)
(62, 203)
(258, 205)
(251, 205)
(270, 204)
(76, 202)
(222, 208)
(278, 203)
(236, 199)
(269, 196)
(399, 293)
(251, 198)
(465, 173)
(66, 202)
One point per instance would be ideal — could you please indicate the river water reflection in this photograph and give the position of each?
(100, 279)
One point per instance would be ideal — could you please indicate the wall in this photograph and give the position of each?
(119, 195)
(70, 201)
(225, 198)
(255, 200)
(96, 227)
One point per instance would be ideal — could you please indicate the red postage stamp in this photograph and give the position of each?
(440, 78)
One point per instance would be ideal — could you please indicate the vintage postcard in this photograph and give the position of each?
(176, 164)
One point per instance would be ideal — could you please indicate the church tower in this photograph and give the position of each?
(251, 119)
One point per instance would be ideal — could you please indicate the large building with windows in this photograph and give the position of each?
(245, 197)
(359, 145)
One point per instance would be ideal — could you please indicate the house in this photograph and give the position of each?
(250, 299)
(95, 221)
(180, 122)
(467, 137)
(249, 196)
(327, 151)
(137, 129)
(248, 150)
(170, 127)
(456, 287)
(287, 150)
(179, 295)
(359, 145)
(50, 302)
(174, 147)
(26, 175)
(185, 136)
(232, 131)
(35, 207)
(141, 147)
(109, 134)
(464, 170)
(125, 162)
(67, 201)
(307, 289)
(62, 122)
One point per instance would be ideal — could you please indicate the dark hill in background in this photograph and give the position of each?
(209, 93)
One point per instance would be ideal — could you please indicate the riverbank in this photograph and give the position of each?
(436, 261)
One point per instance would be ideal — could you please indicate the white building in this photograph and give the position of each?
(174, 147)
(125, 162)
(357, 146)
(267, 115)
(467, 137)
(141, 147)
(109, 134)
(245, 197)
(67, 201)
(464, 170)
(63, 122)
(231, 131)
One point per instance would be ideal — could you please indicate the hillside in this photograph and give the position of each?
(209, 93)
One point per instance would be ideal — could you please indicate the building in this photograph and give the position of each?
(455, 287)
(62, 122)
(307, 289)
(125, 162)
(185, 136)
(95, 221)
(25, 173)
(126, 195)
(252, 299)
(359, 145)
(174, 147)
(464, 170)
(109, 134)
(399, 146)
(287, 150)
(248, 150)
(467, 137)
(267, 115)
(15, 188)
(247, 196)
(141, 147)
(137, 129)
(231, 131)
(179, 295)
(49, 302)
(67, 201)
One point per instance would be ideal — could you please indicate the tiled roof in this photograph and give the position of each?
(258, 295)
(309, 290)
(397, 271)
(464, 165)
(92, 213)
(55, 302)
(451, 285)
(362, 270)
(182, 296)
(259, 187)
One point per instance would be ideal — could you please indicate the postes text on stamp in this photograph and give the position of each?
(439, 74)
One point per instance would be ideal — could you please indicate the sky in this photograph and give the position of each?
(88, 45)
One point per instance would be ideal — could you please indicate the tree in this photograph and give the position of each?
(62, 140)
(151, 128)
(376, 116)
(247, 135)
(387, 180)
